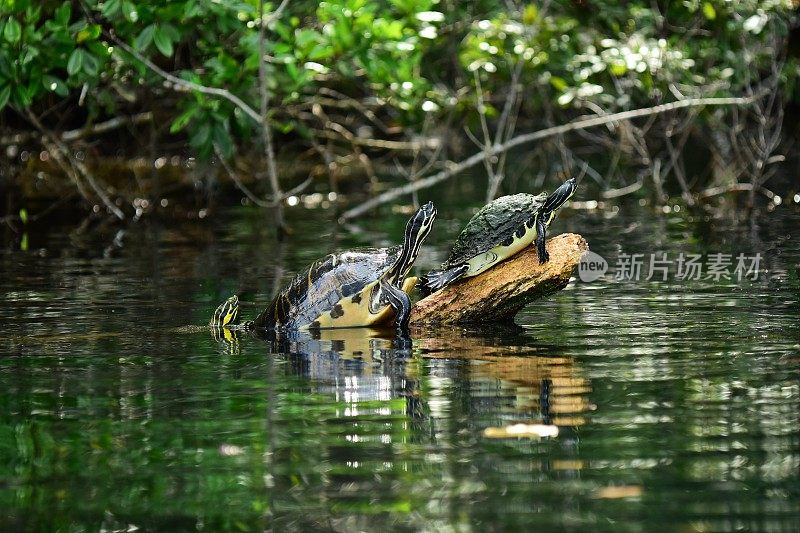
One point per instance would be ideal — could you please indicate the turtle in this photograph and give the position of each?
(366, 287)
(498, 231)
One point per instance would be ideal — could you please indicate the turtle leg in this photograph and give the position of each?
(541, 235)
(401, 304)
(436, 280)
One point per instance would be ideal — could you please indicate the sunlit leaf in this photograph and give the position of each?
(618, 69)
(321, 51)
(566, 98)
(558, 83)
(13, 31)
(129, 11)
(709, 11)
(90, 33)
(530, 14)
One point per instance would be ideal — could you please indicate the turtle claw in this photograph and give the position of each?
(436, 280)
(544, 258)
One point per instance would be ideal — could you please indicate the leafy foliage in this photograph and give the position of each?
(390, 55)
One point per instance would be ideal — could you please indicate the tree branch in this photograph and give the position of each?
(80, 133)
(182, 85)
(578, 124)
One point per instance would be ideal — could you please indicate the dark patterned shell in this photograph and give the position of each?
(494, 223)
(320, 287)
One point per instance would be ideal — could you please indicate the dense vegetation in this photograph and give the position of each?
(357, 81)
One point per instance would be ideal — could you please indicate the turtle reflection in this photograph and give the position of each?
(537, 386)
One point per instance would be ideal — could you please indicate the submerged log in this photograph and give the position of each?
(499, 293)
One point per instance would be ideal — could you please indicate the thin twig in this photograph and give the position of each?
(736, 187)
(73, 168)
(488, 164)
(236, 180)
(384, 144)
(579, 124)
(266, 130)
(616, 193)
(261, 202)
(80, 133)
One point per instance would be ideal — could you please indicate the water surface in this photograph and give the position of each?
(677, 402)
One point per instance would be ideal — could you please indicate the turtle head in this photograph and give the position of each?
(417, 228)
(226, 314)
(559, 197)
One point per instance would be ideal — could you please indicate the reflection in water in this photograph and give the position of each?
(676, 404)
(549, 389)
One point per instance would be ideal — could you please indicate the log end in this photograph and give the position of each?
(499, 293)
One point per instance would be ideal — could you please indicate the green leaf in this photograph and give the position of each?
(170, 31)
(12, 31)
(619, 68)
(223, 141)
(343, 34)
(54, 84)
(291, 68)
(91, 65)
(201, 136)
(63, 14)
(530, 14)
(558, 83)
(97, 48)
(183, 119)
(75, 62)
(5, 94)
(29, 53)
(163, 42)
(321, 51)
(21, 96)
(111, 8)
(90, 33)
(144, 38)
(129, 11)
(305, 38)
(709, 11)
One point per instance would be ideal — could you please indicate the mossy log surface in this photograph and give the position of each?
(499, 293)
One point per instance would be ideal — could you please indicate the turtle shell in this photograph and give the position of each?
(327, 287)
(493, 224)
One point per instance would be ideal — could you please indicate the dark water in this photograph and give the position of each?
(677, 403)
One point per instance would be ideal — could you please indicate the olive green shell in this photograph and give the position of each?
(494, 223)
(324, 284)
